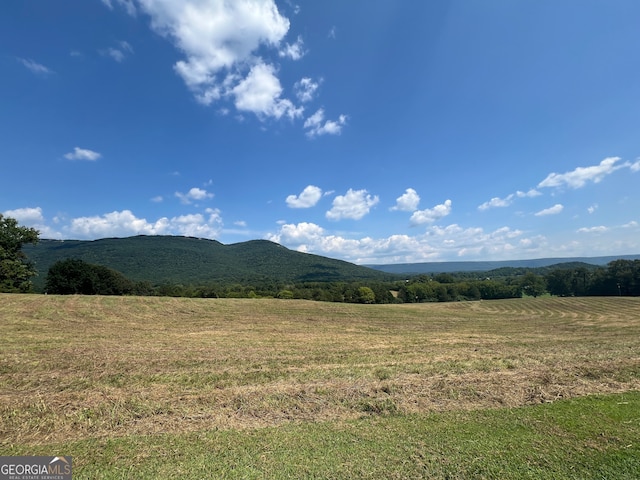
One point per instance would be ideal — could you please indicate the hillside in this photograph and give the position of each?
(191, 261)
(451, 267)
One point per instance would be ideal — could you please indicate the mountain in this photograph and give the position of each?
(195, 261)
(451, 267)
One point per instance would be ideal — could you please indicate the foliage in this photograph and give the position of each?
(192, 261)
(74, 276)
(15, 269)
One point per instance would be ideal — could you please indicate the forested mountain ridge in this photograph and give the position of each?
(189, 261)
(486, 266)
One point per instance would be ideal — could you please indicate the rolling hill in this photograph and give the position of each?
(451, 267)
(194, 261)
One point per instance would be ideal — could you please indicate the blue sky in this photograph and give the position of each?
(376, 132)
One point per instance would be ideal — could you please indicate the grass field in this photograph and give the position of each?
(201, 388)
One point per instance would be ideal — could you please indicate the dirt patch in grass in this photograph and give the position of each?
(79, 367)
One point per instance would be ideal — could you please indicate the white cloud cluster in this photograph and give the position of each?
(35, 67)
(508, 200)
(226, 46)
(128, 5)
(260, 93)
(430, 215)
(353, 205)
(306, 89)
(120, 52)
(579, 177)
(309, 197)
(316, 124)
(219, 40)
(193, 195)
(125, 223)
(556, 209)
(294, 51)
(408, 201)
(82, 154)
(435, 244)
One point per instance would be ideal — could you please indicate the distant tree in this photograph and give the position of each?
(74, 276)
(365, 295)
(533, 285)
(286, 294)
(15, 269)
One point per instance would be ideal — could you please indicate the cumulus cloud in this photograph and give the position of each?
(431, 215)
(294, 51)
(316, 125)
(579, 177)
(635, 166)
(35, 67)
(408, 201)
(194, 194)
(599, 229)
(128, 5)
(354, 205)
(556, 209)
(260, 92)
(82, 154)
(305, 89)
(125, 223)
(120, 53)
(433, 245)
(219, 40)
(497, 202)
(308, 198)
(32, 217)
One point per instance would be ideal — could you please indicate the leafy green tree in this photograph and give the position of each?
(365, 295)
(533, 285)
(15, 269)
(74, 276)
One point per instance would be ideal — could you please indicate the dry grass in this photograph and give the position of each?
(78, 367)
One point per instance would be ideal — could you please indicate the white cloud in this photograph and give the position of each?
(294, 51)
(556, 209)
(354, 205)
(27, 216)
(497, 202)
(308, 198)
(82, 154)
(431, 215)
(219, 40)
(306, 89)
(125, 223)
(32, 217)
(35, 67)
(435, 244)
(260, 93)
(194, 194)
(316, 124)
(592, 208)
(631, 224)
(599, 229)
(635, 166)
(128, 5)
(408, 201)
(120, 53)
(579, 177)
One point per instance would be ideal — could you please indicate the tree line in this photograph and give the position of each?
(74, 276)
(620, 277)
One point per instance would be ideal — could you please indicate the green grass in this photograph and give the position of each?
(593, 437)
(195, 388)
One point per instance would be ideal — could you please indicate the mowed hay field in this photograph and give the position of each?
(148, 387)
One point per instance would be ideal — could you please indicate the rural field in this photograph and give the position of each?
(156, 387)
